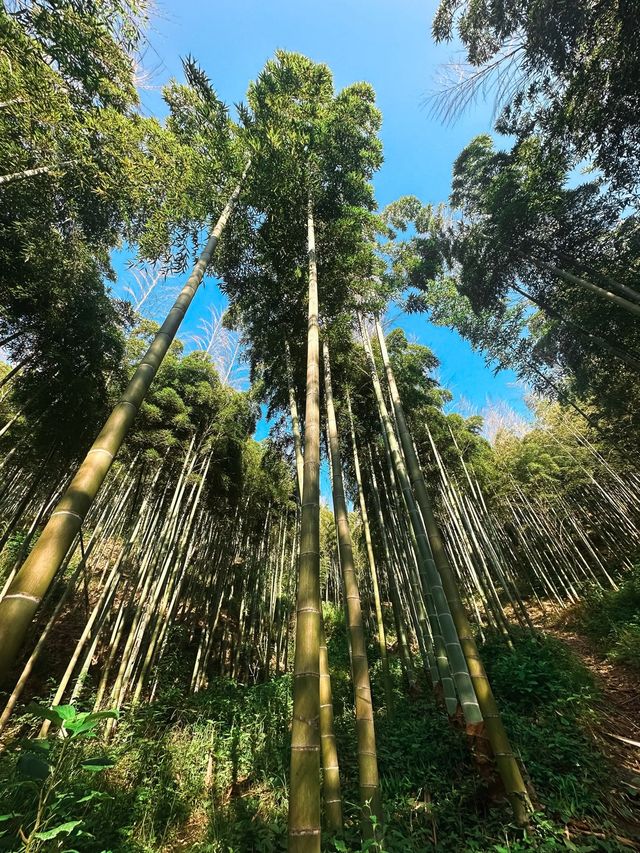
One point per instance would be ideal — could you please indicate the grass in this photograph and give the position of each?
(612, 619)
(208, 773)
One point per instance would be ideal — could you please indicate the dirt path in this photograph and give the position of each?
(617, 731)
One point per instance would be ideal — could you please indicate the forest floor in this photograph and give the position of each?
(619, 732)
(206, 773)
(616, 726)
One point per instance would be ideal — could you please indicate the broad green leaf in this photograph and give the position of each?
(45, 713)
(66, 712)
(104, 715)
(96, 764)
(95, 795)
(67, 828)
(83, 728)
(32, 766)
(38, 745)
(90, 721)
(4, 817)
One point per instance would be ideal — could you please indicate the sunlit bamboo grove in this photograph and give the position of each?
(175, 548)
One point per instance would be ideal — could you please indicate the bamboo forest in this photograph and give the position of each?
(319, 436)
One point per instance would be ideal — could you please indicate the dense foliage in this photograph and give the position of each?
(164, 596)
(568, 72)
(206, 772)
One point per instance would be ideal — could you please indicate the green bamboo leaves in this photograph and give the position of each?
(314, 152)
(32, 581)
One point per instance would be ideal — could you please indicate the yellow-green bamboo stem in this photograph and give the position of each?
(32, 581)
(398, 615)
(382, 639)
(332, 793)
(367, 756)
(304, 796)
(507, 763)
(446, 645)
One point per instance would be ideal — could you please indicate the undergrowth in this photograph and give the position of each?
(208, 773)
(612, 619)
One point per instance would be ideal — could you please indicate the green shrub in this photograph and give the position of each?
(612, 619)
(207, 773)
(546, 697)
(48, 790)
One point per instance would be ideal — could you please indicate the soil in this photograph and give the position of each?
(616, 729)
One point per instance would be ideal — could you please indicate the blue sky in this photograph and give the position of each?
(387, 44)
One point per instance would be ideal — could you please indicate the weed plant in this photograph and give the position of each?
(208, 773)
(612, 619)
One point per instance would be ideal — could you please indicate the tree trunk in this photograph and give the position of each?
(396, 604)
(27, 173)
(32, 581)
(330, 767)
(14, 371)
(329, 752)
(631, 307)
(382, 640)
(628, 358)
(446, 644)
(367, 757)
(304, 798)
(10, 338)
(505, 759)
(295, 426)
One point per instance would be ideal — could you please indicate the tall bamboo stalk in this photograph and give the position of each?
(446, 641)
(32, 581)
(332, 794)
(507, 764)
(396, 604)
(304, 798)
(330, 767)
(367, 757)
(382, 640)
